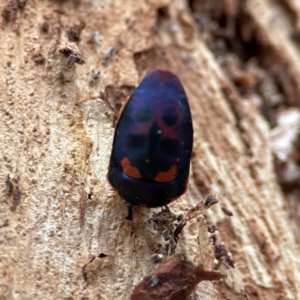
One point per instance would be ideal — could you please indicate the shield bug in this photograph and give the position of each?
(153, 140)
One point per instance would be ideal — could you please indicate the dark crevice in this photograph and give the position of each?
(234, 32)
(130, 213)
(254, 66)
(163, 13)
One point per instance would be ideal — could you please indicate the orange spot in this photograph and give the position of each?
(128, 169)
(166, 176)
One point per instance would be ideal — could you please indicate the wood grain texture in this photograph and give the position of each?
(64, 233)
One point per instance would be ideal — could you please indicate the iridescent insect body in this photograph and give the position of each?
(152, 146)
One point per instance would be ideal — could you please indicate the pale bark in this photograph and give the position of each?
(56, 135)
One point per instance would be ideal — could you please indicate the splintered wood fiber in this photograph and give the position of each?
(66, 67)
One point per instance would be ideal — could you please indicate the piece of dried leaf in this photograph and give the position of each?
(174, 279)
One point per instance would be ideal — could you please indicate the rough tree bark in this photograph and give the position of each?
(63, 231)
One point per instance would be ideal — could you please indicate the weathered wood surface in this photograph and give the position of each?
(56, 137)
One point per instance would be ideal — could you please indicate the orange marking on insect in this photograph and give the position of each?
(166, 176)
(128, 169)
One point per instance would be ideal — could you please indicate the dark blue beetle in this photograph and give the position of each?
(150, 159)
